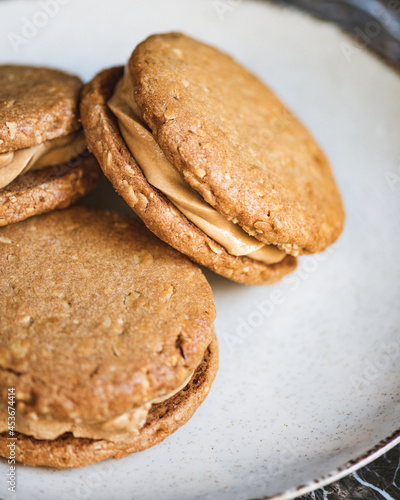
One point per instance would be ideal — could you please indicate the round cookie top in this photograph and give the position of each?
(236, 143)
(98, 315)
(36, 105)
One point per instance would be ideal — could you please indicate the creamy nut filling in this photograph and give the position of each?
(60, 150)
(117, 429)
(161, 174)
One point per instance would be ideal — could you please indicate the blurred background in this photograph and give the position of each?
(373, 23)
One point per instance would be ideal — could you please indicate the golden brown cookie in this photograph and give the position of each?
(36, 105)
(100, 320)
(158, 213)
(40, 191)
(43, 153)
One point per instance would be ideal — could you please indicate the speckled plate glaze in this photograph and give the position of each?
(308, 387)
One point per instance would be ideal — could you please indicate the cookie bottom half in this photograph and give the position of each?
(40, 191)
(163, 419)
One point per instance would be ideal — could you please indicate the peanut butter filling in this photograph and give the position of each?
(118, 429)
(161, 174)
(60, 150)
(115, 429)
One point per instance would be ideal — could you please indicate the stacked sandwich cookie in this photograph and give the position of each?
(211, 160)
(44, 162)
(106, 336)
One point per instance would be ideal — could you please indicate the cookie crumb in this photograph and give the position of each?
(131, 298)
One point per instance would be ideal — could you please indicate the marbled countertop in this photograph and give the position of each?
(377, 481)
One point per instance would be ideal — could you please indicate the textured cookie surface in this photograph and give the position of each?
(157, 212)
(36, 105)
(163, 419)
(236, 143)
(98, 315)
(40, 191)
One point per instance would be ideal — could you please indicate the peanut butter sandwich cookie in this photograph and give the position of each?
(106, 337)
(211, 160)
(44, 163)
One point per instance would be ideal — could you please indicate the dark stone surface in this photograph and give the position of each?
(376, 26)
(377, 481)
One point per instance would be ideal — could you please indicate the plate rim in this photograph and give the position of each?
(366, 458)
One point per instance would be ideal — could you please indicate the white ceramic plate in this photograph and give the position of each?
(309, 377)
